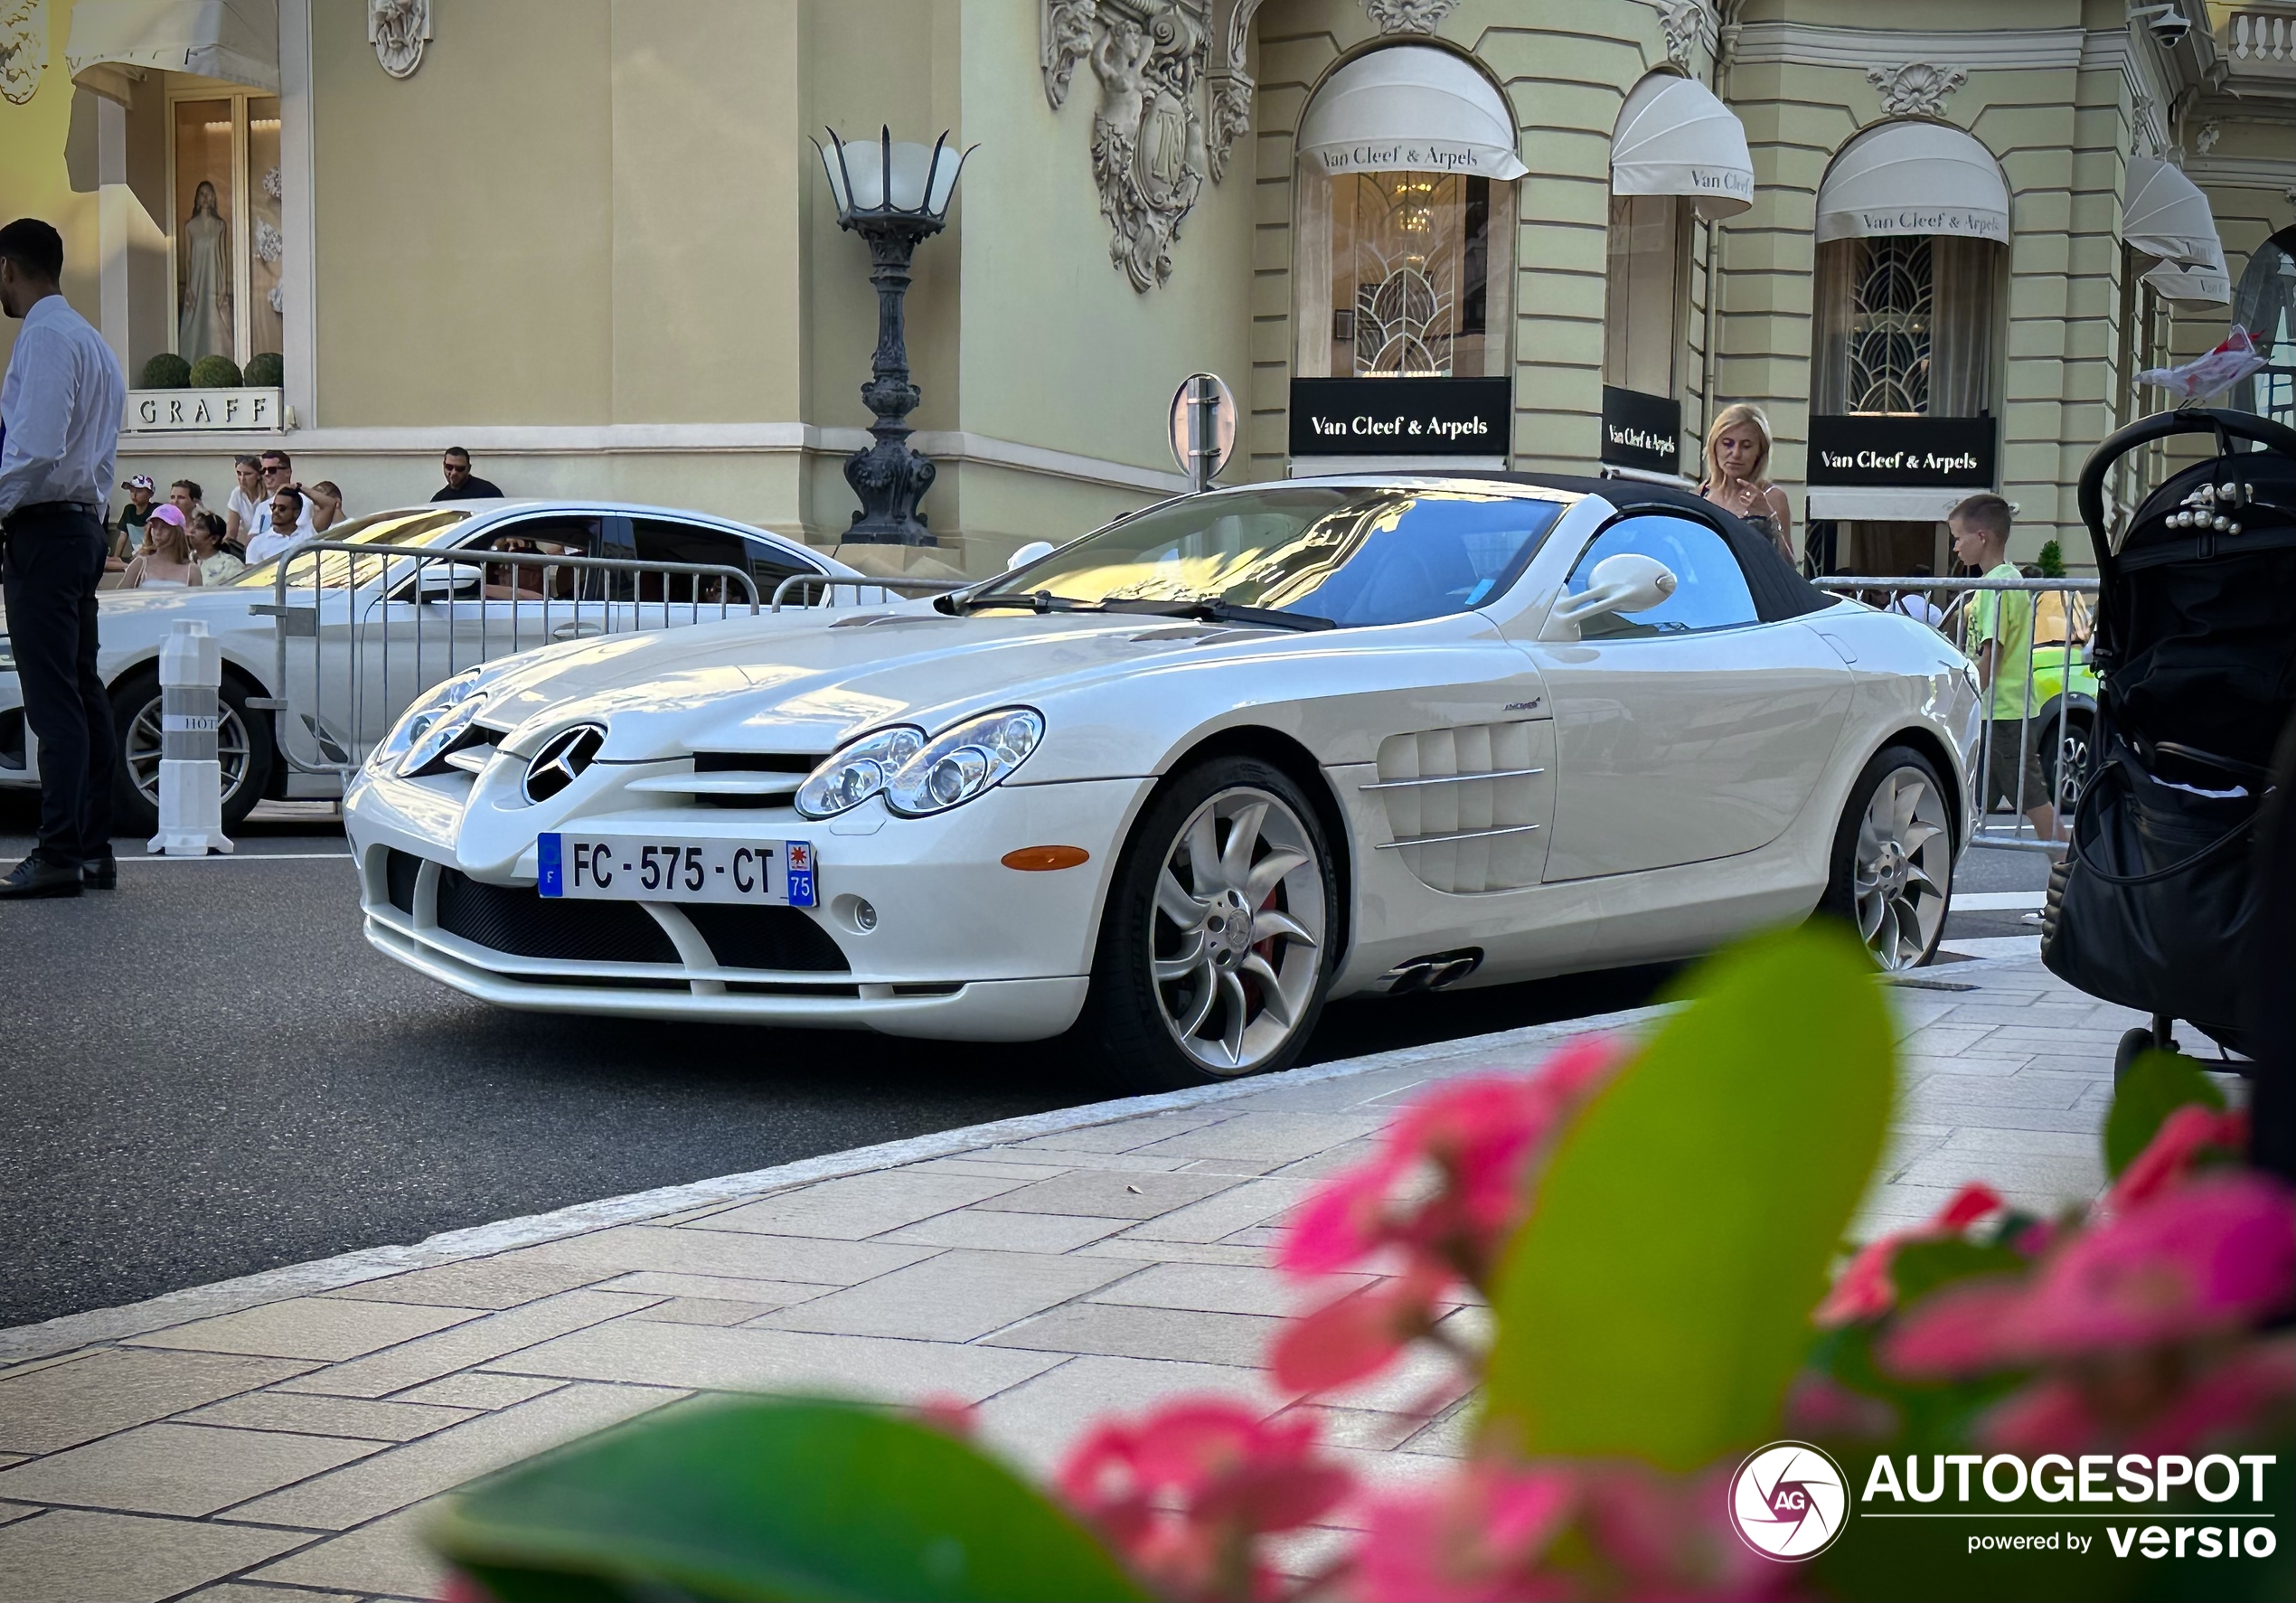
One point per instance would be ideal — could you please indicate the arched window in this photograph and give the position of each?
(2265, 304)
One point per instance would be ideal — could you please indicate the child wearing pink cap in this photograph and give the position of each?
(166, 558)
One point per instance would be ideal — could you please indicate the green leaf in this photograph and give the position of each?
(1920, 1267)
(2155, 1085)
(1657, 1302)
(774, 1499)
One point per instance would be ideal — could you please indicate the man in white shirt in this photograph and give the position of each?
(60, 411)
(278, 474)
(288, 528)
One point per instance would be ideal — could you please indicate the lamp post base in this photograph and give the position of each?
(890, 477)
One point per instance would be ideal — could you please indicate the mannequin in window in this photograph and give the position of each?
(1737, 465)
(205, 327)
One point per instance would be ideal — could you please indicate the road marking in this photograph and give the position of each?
(2000, 902)
(229, 857)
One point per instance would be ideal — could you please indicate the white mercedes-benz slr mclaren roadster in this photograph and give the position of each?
(1183, 781)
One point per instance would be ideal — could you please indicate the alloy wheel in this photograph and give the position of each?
(141, 750)
(1238, 929)
(1903, 869)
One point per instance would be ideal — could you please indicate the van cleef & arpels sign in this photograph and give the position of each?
(1873, 450)
(1400, 417)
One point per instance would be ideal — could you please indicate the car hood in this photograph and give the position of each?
(807, 687)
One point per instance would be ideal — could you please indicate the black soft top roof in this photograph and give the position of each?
(1779, 591)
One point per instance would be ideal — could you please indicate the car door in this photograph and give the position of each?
(674, 598)
(1690, 731)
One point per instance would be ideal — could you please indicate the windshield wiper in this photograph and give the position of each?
(1213, 610)
(1040, 602)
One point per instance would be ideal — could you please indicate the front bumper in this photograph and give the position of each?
(962, 948)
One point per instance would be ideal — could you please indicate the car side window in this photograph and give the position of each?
(1709, 586)
(661, 540)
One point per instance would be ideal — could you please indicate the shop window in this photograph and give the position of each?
(2265, 304)
(1906, 325)
(1405, 275)
(226, 237)
(1640, 326)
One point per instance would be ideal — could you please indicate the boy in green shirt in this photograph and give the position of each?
(2000, 642)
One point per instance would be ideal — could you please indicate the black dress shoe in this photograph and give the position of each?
(38, 876)
(102, 874)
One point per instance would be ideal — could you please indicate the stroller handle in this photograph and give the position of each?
(2227, 425)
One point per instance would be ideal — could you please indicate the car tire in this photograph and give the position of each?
(1891, 874)
(2066, 770)
(243, 745)
(1179, 997)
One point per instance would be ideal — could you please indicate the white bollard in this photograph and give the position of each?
(191, 778)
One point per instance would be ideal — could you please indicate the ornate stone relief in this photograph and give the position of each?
(23, 48)
(1686, 25)
(1174, 99)
(398, 29)
(1916, 89)
(1408, 16)
(2205, 140)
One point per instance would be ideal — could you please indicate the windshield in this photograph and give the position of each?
(334, 568)
(1358, 555)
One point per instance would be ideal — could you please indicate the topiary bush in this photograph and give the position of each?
(167, 371)
(266, 370)
(215, 372)
(2052, 563)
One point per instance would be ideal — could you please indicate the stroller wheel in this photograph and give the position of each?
(1892, 870)
(2134, 1045)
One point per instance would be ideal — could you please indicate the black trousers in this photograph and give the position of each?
(54, 562)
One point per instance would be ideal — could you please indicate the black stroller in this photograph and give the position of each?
(2157, 898)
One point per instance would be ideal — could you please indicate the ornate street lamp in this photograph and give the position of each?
(892, 195)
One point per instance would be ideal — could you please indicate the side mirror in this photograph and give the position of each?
(450, 582)
(1029, 553)
(1628, 582)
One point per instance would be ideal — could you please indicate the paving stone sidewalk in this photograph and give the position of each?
(290, 1449)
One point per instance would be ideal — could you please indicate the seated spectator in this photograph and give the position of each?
(183, 496)
(165, 562)
(129, 539)
(327, 504)
(1916, 605)
(286, 528)
(508, 581)
(217, 561)
(246, 517)
(278, 474)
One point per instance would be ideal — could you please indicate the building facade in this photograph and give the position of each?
(590, 239)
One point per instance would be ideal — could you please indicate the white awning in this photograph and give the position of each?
(2207, 281)
(1414, 108)
(2166, 215)
(1674, 137)
(116, 41)
(1913, 178)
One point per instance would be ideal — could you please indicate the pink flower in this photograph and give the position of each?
(1483, 1534)
(1355, 1336)
(1865, 1290)
(2185, 1136)
(2144, 1406)
(1186, 1494)
(2250, 1395)
(2206, 1257)
(1450, 1177)
(1669, 1536)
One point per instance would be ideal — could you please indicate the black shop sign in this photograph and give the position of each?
(1400, 416)
(1641, 431)
(1875, 452)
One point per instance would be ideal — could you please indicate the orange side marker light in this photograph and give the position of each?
(1044, 859)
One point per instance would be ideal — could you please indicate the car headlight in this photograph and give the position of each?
(859, 771)
(427, 728)
(958, 764)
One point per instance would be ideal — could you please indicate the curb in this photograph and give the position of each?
(26, 1342)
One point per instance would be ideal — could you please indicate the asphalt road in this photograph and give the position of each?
(209, 1073)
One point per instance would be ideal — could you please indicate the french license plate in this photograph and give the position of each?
(642, 868)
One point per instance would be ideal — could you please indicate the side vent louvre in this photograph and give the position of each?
(1468, 807)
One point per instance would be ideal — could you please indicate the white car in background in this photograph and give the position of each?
(1180, 781)
(375, 601)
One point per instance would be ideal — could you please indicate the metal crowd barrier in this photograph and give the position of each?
(364, 629)
(2056, 652)
(806, 584)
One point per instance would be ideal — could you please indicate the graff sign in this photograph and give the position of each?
(174, 412)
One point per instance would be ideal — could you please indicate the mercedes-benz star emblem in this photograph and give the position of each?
(562, 761)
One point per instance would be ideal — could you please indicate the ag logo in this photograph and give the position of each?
(1789, 1501)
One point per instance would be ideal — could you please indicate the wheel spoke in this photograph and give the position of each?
(1918, 835)
(1870, 912)
(1267, 924)
(1232, 992)
(1168, 969)
(1203, 852)
(1243, 835)
(1271, 989)
(1176, 904)
(1206, 994)
(1268, 872)
(1916, 878)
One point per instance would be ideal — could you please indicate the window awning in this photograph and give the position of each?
(1913, 178)
(1411, 107)
(1674, 137)
(116, 41)
(2166, 215)
(2207, 281)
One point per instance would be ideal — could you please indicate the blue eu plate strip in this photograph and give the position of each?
(799, 856)
(546, 852)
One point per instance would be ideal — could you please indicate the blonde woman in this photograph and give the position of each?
(166, 562)
(1737, 465)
